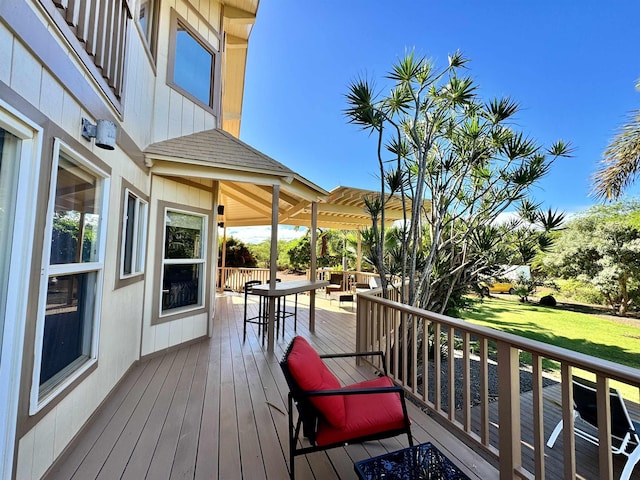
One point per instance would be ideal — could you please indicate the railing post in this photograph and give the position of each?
(509, 411)
(604, 428)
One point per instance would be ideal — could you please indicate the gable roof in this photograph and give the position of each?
(219, 148)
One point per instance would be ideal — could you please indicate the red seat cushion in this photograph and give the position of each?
(366, 414)
(310, 373)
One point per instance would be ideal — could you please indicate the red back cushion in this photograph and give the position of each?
(310, 373)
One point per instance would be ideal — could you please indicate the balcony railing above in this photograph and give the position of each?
(101, 28)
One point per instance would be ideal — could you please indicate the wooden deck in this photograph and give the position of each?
(217, 410)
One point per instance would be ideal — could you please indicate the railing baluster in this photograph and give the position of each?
(538, 419)
(437, 372)
(451, 372)
(425, 359)
(414, 354)
(466, 377)
(405, 347)
(484, 391)
(569, 442)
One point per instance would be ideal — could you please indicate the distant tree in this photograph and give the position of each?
(621, 163)
(237, 254)
(330, 248)
(438, 141)
(262, 252)
(603, 250)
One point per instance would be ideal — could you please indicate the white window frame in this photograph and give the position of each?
(38, 401)
(12, 338)
(140, 226)
(185, 261)
(150, 13)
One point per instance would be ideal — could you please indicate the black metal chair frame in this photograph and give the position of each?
(308, 414)
(624, 430)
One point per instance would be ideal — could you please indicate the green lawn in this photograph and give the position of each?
(589, 334)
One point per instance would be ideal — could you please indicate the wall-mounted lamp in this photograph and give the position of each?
(104, 132)
(221, 224)
(220, 209)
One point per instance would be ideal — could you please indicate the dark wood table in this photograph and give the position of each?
(276, 290)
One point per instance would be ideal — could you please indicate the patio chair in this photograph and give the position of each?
(624, 431)
(331, 415)
(336, 283)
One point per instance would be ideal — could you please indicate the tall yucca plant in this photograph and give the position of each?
(454, 161)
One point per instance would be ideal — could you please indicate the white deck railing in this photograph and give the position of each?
(232, 278)
(387, 325)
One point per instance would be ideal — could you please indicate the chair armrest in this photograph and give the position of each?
(378, 353)
(352, 354)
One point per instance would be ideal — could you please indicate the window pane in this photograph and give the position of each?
(76, 216)
(9, 163)
(140, 236)
(145, 18)
(193, 66)
(129, 234)
(183, 236)
(68, 325)
(181, 286)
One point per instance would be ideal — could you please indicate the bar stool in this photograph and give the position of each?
(261, 319)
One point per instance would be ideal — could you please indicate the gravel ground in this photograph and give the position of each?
(525, 381)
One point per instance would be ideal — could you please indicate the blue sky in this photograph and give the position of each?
(572, 66)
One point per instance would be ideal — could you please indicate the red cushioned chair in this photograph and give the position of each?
(332, 415)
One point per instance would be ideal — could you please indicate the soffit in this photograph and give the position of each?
(343, 208)
(238, 19)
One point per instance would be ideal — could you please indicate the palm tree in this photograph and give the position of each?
(621, 163)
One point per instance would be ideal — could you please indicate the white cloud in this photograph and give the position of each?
(260, 234)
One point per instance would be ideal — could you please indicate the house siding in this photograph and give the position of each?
(46, 80)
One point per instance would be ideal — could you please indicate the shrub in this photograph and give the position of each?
(548, 301)
(581, 291)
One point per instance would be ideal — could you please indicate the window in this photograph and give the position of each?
(9, 163)
(146, 19)
(192, 64)
(134, 232)
(148, 22)
(183, 264)
(20, 145)
(69, 313)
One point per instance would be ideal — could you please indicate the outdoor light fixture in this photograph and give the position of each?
(220, 209)
(104, 132)
(221, 224)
